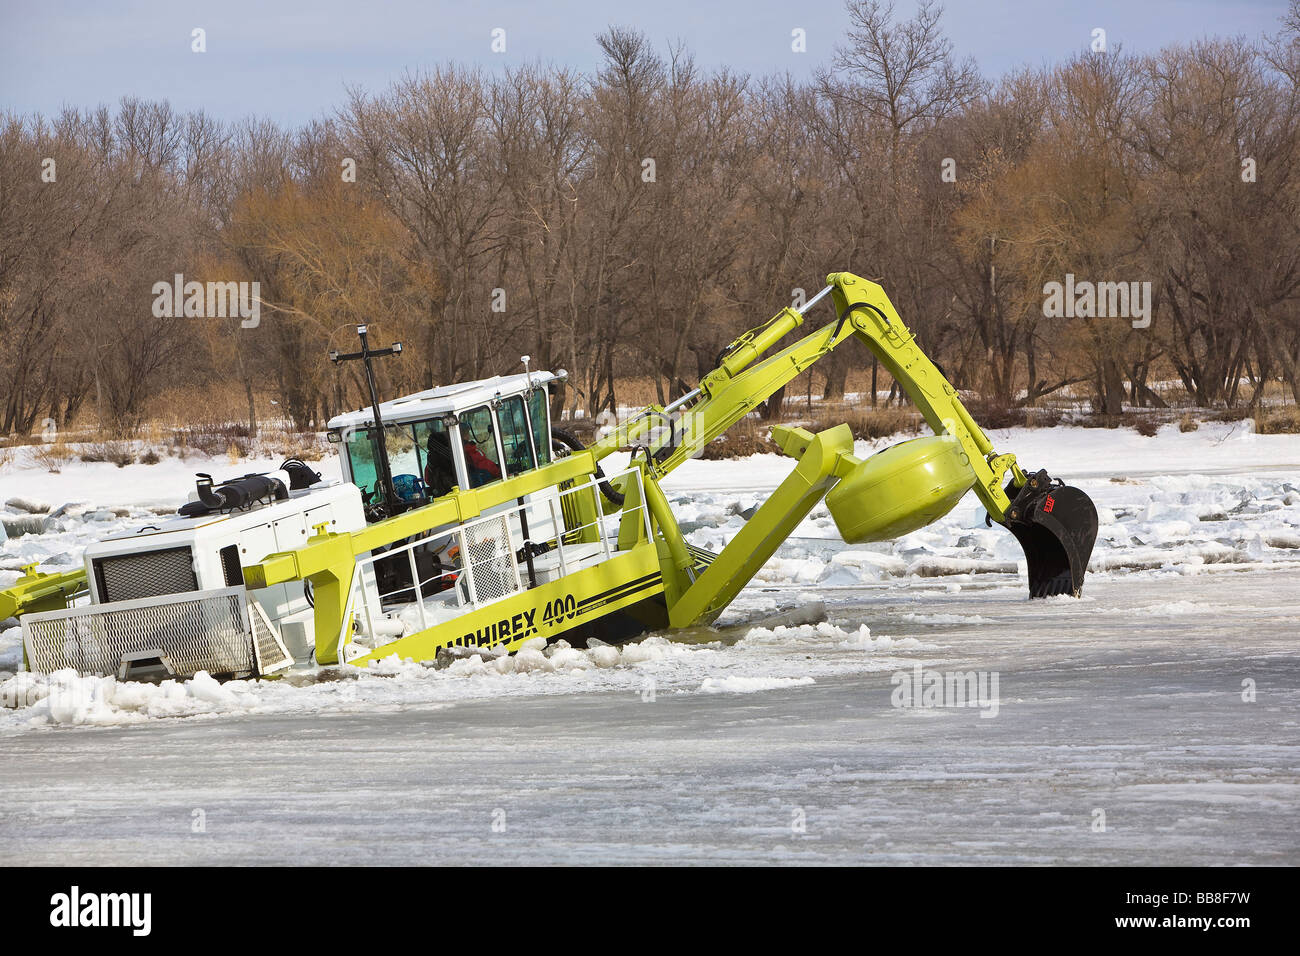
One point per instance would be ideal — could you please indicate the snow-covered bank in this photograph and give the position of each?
(102, 484)
(1069, 451)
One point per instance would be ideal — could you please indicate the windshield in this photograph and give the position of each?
(361, 461)
(415, 475)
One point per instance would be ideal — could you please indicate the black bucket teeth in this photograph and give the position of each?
(1056, 525)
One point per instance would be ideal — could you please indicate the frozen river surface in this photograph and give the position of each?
(1124, 733)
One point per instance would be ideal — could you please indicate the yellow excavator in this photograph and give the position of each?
(464, 520)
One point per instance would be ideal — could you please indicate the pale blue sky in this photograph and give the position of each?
(291, 60)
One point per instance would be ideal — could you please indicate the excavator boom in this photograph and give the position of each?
(1056, 525)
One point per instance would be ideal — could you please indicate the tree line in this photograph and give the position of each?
(631, 222)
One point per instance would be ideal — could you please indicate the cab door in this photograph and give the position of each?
(525, 441)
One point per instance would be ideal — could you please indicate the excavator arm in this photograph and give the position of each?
(740, 384)
(1055, 524)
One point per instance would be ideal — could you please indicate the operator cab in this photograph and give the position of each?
(456, 436)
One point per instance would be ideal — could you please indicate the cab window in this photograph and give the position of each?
(405, 461)
(478, 439)
(439, 473)
(514, 435)
(406, 457)
(537, 412)
(361, 461)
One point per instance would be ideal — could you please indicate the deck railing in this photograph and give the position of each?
(489, 562)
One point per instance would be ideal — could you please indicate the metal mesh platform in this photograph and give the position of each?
(205, 630)
(490, 558)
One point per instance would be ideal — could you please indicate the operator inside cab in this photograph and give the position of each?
(440, 472)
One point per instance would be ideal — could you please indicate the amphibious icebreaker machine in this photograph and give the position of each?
(466, 519)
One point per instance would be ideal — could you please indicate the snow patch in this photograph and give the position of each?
(750, 685)
(1175, 609)
(947, 619)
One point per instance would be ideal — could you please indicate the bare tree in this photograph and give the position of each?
(900, 73)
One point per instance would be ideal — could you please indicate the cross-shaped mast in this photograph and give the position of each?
(391, 501)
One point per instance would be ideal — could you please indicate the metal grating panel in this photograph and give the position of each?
(145, 574)
(491, 559)
(206, 631)
(271, 653)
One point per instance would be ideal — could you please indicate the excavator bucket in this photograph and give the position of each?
(1056, 524)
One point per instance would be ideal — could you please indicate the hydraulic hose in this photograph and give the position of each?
(574, 444)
